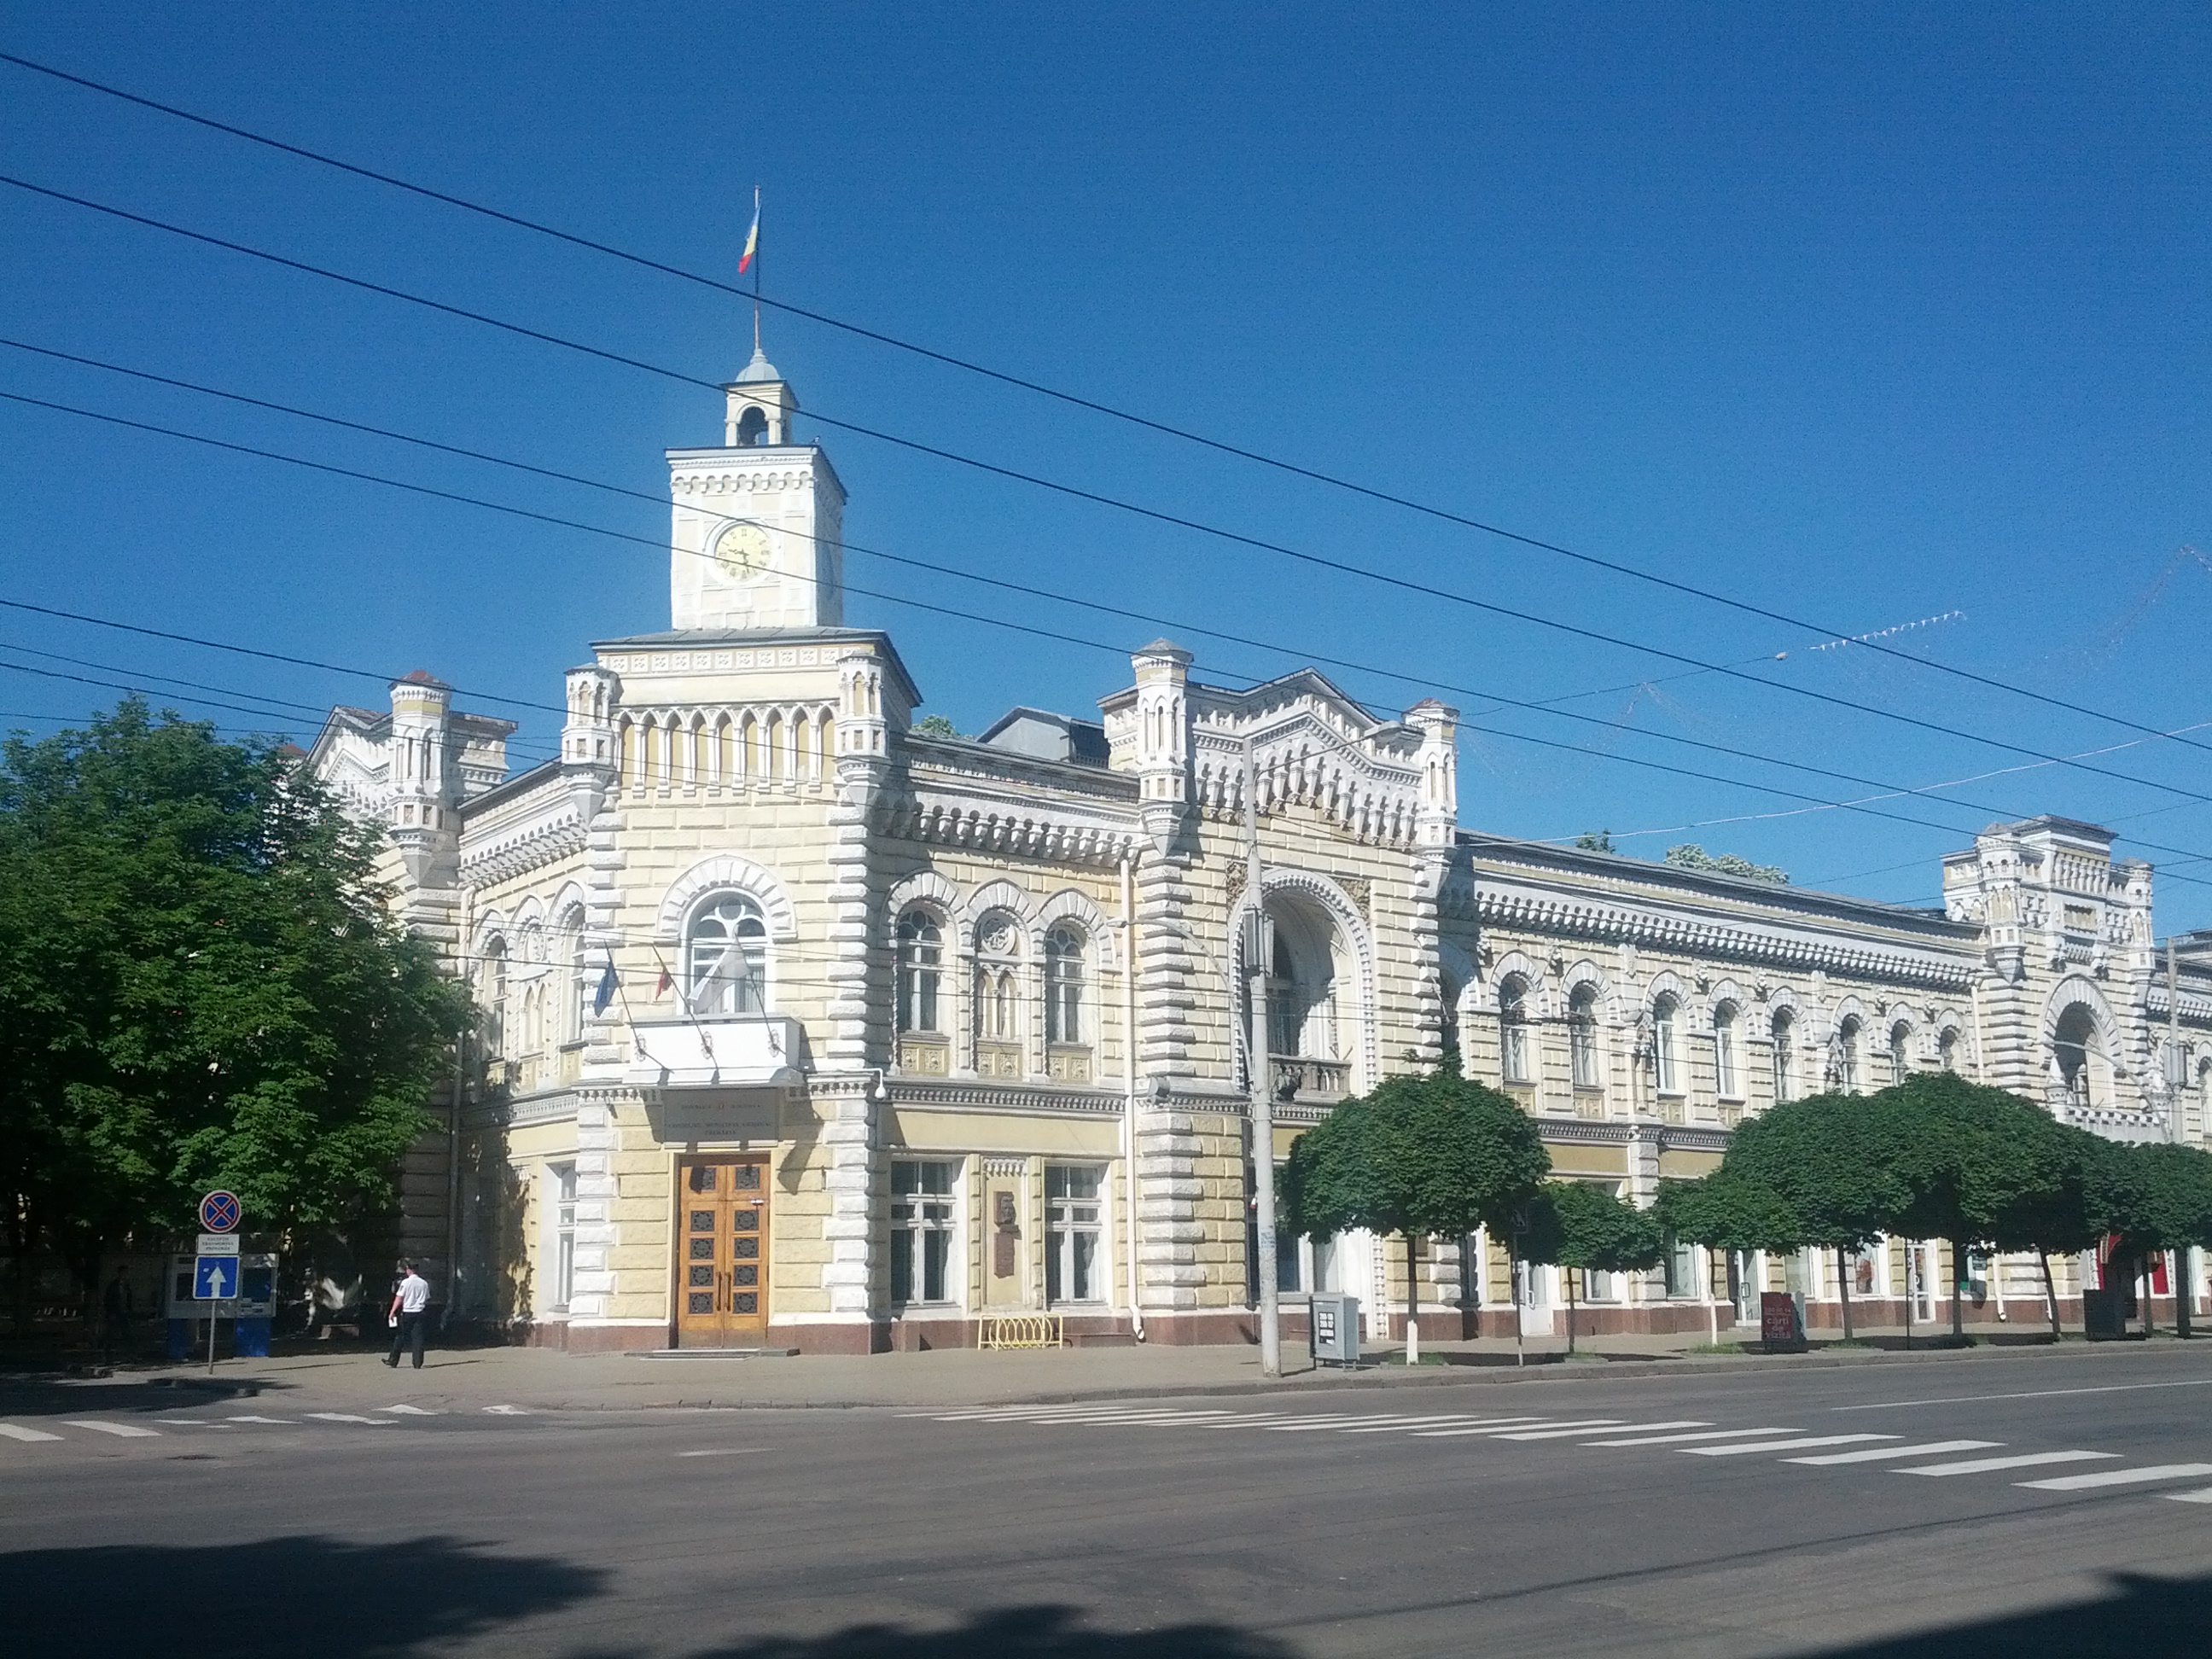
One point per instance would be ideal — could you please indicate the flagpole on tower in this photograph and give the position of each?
(751, 257)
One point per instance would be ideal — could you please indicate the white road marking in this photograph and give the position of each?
(1322, 1425)
(406, 1411)
(192, 1422)
(348, 1416)
(509, 1410)
(1586, 1422)
(1142, 1420)
(2119, 1477)
(2203, 1496)
(289, 1422)
(1677, 1439)
(1462, 1422)
(725, 1451)
(1895, 1453)
(15, 1433)
(2038, 1393)
(1570, 1434)
(122, 1430)
(1744, 1449)
(1989, 1465)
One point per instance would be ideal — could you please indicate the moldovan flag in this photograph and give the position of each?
(752, 238)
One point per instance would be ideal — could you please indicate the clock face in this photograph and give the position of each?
(742, 551)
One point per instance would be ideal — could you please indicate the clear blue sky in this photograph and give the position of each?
(1868, 318)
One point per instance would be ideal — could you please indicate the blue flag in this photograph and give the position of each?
(605, 993)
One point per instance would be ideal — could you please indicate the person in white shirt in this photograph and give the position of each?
(409, 1303)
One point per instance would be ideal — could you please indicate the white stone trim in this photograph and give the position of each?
(1072, 904)
(718, 873)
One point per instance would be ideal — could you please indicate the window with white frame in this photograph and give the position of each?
(561, 1179)
(1726, 1079)
(1785, 1055)
(1513, 1028)
(1063, 985)
(1680, 1266)
(494, 984)
(1666, 1068)
(922, 1220)
(726, 957)
(1074, 1265)
(1582, 1038)
(998, 978)
(921, 972)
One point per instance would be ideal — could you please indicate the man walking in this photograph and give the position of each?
(408, 1303)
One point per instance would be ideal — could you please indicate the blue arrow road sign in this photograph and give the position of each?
(215, 1278)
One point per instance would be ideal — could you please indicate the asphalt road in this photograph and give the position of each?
(1207, 1529)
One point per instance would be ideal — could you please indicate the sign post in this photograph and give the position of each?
(214, 1267)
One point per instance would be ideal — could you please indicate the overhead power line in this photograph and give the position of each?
(1057, 394)
(1073, 491)
(1864, 807)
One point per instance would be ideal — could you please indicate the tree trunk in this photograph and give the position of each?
(1911, 1283)
(2184, 1286)
(2049, 1293)
(2143, 1278)
(1513, 1295)
(1412, 1300)
(1844, 1289)
(1958, 1291)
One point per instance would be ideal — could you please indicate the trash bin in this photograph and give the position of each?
(1333, 1328)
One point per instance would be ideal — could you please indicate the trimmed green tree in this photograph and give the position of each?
(1823, 1162)
(2159, 1199)
(1970, 1159)
(1421, 1156)
(1584, 1228)
(1725, 1211)
(205, 987)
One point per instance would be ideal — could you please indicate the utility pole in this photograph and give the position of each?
(1261, 1080)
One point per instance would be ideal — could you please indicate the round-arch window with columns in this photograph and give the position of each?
(921, 972)
(1783, 1031)
(1727, 1059)
(1901, 1051)
(1582, 1039)
(1000, 1028)
(725, 959)
(1513, 1029)
(1666, 1044)
(2077, 1046)
(1064, 949)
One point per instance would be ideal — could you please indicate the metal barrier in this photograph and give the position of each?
(1021, 1331)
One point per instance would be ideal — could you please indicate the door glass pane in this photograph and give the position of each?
(745, 1178)
(699, 1302)
(748, 1246)
(748, 1275)
(744, 1221)
(703, 1177)
(701, 1274)
(1086, 1245)
(748, 1302)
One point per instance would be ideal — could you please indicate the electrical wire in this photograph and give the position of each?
(1071, 399)
(1074, 492)
(1864, 807)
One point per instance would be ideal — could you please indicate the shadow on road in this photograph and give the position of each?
(278, 1596)
(2140, 1618)
(1030, 1633)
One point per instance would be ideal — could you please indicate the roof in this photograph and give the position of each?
(758, 372)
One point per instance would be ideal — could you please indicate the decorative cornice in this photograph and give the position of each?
(530, 847)
(930, 1095)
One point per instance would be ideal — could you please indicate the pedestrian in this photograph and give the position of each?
(407, 1316)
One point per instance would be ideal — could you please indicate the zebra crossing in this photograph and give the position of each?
(1898, 1453)
(99, 1430)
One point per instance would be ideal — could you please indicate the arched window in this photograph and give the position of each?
(1063, 985)
(726, 957)
(1513, 1028)
(920, 968)
(1285, 1018)
(495, 996)
(1582, 1038)
(1727, 1083)
(1665, 1067)
(581, 987)
(1901, 1052)
(998, 990)
(1785, 1056)
(1847, 1054)
(1946, 1048)
(2079, 1054)
(752, 426)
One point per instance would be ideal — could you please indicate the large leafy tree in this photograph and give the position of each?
(1421, 1156)
(1828, 1163)
(2155, 1197)
(204, 986)
(1585, 1227)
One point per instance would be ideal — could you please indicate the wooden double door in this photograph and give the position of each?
(721, 1251)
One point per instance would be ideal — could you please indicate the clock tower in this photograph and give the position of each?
(754, 541)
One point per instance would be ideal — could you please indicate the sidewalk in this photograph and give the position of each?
(537, 1379)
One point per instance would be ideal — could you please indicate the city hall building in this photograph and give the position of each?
(804, 1029)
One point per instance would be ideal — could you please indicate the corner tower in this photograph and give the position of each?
(755, 538)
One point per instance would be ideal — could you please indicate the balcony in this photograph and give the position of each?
(1303, 1078)
(719, 1052)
